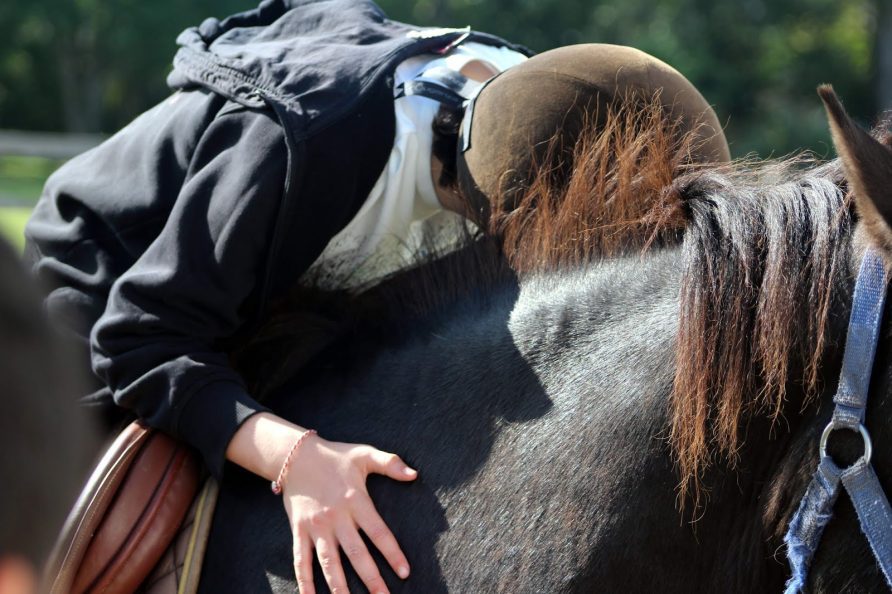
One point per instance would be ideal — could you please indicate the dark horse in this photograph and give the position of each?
(574, 401)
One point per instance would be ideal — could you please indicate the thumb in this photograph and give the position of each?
(390, 465)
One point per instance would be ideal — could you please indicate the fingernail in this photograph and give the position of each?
(409, 471)
(403, 572)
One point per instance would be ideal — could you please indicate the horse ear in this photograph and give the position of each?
(868, 168)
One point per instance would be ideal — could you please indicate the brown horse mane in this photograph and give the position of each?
(609, 199)
(764, 257)
(765, 261)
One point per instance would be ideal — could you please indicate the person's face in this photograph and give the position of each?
(448, 196)
(16, 576)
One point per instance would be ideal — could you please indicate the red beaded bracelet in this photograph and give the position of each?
(276, 485)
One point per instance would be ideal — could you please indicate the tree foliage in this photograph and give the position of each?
(89, 65)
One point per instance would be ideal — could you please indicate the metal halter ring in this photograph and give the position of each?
(832, 425)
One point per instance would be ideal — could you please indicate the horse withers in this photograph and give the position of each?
(623, 419)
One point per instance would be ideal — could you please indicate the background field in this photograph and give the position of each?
(21, 180)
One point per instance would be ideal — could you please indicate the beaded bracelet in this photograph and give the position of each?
(276, 485)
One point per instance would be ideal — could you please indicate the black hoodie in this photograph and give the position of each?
(176, 232)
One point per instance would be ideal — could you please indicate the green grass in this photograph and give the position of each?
(12, 224)
(19, 190)
(22, 179)
(31, 167)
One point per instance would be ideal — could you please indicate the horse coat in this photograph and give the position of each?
(552, 414)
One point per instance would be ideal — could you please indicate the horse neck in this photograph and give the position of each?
(620, 317)
(749, 504)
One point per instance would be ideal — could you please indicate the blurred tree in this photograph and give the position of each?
(88, 65)
(757, 61)
(883, 55)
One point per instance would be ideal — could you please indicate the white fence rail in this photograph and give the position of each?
(46, 144)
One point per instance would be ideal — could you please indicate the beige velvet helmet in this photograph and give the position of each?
(551, 95)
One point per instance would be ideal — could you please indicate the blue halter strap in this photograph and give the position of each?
(859, 480)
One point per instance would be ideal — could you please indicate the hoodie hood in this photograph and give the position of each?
(313, 59)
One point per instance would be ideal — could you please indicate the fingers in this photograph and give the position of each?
(390, 465)
(374, 527)
(330, 562)
(360, 559)
(303, 563)
(328, 508)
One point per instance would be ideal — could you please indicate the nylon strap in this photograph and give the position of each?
(861, 342)
(432, 90)
(807, 526)
(860, 481)
(874, 512)
(440, 84)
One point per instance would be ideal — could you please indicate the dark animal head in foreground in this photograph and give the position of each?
(46, 440)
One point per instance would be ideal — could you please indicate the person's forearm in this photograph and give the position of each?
(261, 444)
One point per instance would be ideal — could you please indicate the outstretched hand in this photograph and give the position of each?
(325, 497)
(327, 503)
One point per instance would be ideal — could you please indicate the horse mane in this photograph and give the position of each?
(605, 196)
(764, 255)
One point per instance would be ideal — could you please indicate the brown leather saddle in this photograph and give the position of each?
(127, 516)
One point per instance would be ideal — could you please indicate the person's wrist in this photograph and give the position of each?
(293, 451)
(261, 444)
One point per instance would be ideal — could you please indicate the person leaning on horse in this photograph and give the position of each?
(300, 132)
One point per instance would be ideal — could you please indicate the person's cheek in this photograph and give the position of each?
(16, 576)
